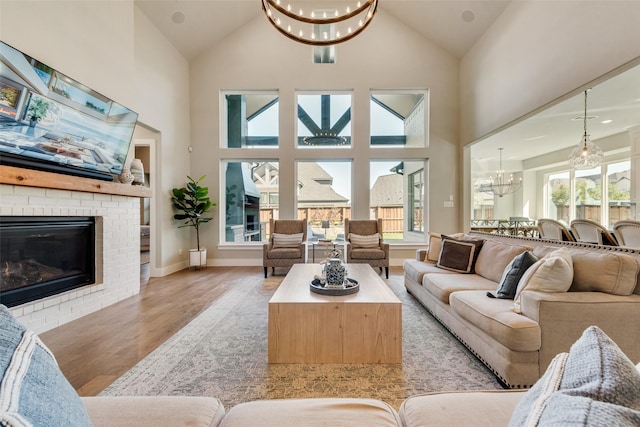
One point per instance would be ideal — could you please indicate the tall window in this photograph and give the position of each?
(251, 119)
(396, 196)
(619, 192)
(324, 120)
(324, 195)
(398, 118)
(252, 152)
(559, 197)
(251, 199)
(588, 194)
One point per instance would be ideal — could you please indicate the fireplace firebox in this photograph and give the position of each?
(44, 256)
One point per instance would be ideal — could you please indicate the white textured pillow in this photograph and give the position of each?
(552, 273)
(368, 241)
(287, 240)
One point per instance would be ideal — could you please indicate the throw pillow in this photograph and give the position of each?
(552, 273)
(368, 241)
(595, 384)
(33, 390)
(287, 240)
(458, 254)
(513, 273)
(433, 251)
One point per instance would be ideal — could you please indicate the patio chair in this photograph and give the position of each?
(554, 230)
(588, 231)
(287, 244)
(628, 233)
(363, 247)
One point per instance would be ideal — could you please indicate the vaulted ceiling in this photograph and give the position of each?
(193, 26)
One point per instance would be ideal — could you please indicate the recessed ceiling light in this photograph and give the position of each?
(606, 122)
(468, 15)
(177, 17)
(534, 138)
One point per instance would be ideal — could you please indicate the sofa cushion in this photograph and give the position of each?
(368, 253)
(496, 318)
(458, 255)
(153, 411)
(368, 241)
(287, 240)
(595, 384)
(513, 273)
(312, 412)
(415, 270)
(494, 258)
(33, 390)
(610, 272)
(433, 251)
(463, 408)
(284, 253)
(551, 273)
(443, 285)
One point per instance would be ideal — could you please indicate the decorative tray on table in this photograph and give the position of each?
(351, 287)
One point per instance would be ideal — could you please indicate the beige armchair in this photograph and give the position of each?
(287, 244)
(363, 247)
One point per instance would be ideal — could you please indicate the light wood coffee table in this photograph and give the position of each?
(305, 327)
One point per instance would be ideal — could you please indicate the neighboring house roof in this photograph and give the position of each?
(315, 185)
(387, 191)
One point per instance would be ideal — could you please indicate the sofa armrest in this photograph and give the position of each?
(421, 254)
(564, 316)
(156, 411)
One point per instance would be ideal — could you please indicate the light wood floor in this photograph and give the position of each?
(98, 348)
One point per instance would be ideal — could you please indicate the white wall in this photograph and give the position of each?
(538, 51)
(112, 47)
(387, 55)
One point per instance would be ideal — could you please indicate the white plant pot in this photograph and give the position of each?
(197, 258)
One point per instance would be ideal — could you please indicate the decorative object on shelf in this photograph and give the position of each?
(137, 169)
(502, 185)
(192, 202)
(126, 177)
(586, 155)
(323, 27)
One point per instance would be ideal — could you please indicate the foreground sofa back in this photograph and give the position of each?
(518, 347)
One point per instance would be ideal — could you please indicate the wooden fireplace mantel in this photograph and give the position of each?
(34, 178)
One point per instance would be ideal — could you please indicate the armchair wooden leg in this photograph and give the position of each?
(265, 272)
(386, 270)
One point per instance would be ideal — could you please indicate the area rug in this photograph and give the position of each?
(223, 353)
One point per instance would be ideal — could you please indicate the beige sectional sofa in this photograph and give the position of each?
(518, 347)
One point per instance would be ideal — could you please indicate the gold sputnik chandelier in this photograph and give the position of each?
(319, 26)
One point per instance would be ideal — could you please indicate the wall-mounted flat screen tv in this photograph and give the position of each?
(49, 121)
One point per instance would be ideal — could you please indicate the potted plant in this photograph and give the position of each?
(38, 108)
(192, 202)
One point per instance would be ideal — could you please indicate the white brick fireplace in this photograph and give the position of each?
(117, 250)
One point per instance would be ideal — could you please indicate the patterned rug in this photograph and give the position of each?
(223, 353)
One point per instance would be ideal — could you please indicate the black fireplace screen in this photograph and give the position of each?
(43, 256)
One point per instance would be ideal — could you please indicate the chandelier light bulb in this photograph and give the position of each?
(348, 10)
(289, 7)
